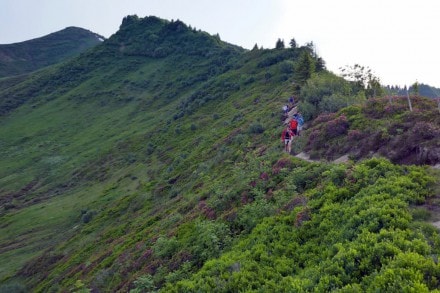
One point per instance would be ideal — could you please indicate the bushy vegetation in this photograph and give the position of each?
(380, 126)
(352, 231)
(327, 93)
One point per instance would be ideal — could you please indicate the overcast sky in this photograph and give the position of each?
(397, 39)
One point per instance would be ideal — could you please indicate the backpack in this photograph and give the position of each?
(287, 135)
(300, 121)
(293, 124)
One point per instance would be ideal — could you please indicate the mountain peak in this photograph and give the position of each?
(31, 55)
(78, 31)
(155, 37)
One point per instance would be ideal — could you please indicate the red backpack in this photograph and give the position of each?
(293, 124)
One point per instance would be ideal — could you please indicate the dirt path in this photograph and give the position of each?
(306, 157)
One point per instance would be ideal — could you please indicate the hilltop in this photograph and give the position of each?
(153, 162)
(31, 55)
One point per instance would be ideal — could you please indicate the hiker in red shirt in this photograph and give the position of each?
(293, 123)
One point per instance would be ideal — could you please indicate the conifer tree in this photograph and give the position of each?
(305, 67)
(415, 88)
(292, 43)
(279, 44)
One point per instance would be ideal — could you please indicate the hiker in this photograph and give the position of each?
(286, 138)
(293, 124)
(285, 110)
(299, 118)
(292, 101)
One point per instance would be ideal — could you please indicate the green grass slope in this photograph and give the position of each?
(153, 162)
(75, 135)
(28, 56)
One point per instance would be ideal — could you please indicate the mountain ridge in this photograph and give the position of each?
(27, 56)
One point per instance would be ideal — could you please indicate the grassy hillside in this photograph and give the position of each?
(28, 56)
(153, 161)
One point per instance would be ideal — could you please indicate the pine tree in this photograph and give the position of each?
(305, 67)
(292, 43)
(279, 44)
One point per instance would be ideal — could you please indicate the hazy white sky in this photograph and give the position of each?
(397, 39)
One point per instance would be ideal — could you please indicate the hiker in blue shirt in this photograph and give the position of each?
(299, 118)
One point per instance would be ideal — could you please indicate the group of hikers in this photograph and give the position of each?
(293, 121)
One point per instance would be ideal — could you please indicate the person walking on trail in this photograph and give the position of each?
(292, 101)
(286, 138)
(299, 118)
(293, 123)
(285, 110)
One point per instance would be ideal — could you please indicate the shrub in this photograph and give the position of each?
(425, 130)
(336, 127)
(87, 216)
(333, 103)
(150, 149)
(165, 247)
(256, 128)
(144, 283)
(355, 135)
(324, 118)
(420, 214)
(326, 92)
(286, 67)
(79, 287)
(239, 139)
(267, 76)
(211, 239)
(308, 110)
(252, 214)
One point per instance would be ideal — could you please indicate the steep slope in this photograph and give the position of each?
(28, 56)
(122, 125)
(149, 160)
